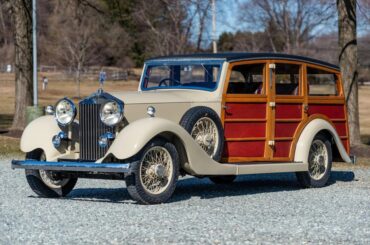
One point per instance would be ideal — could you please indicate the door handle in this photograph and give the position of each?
(305, 108)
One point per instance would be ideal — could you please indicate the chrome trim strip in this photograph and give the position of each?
(73, 166)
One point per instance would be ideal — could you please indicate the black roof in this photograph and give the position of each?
(230, 57)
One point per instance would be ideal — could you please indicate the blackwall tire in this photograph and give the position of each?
(320, 163)
(153, 180)
(37, 180)
(193, 117)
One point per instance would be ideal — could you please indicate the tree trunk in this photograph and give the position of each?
(348, 63)
(78, 79)
(22, 17)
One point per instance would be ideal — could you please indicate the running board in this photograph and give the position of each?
(264, 168)
(253, 168)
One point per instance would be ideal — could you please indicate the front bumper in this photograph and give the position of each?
(73, 166)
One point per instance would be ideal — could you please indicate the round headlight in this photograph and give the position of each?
(65, 111)
(111, 113)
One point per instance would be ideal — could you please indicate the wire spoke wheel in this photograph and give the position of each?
(48, 183)
(205, 133)
(156, 170)
(318, 159)
(50, 178)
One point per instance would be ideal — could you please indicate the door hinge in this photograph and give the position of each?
(272, 66)
(272, 104)
(271, 142)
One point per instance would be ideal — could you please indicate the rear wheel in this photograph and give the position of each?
(154, 177)
(47, 183)
(319, 163)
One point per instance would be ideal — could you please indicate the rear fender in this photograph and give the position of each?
(307, 136)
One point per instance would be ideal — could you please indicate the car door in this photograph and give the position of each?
(245, 112)
(286, 102)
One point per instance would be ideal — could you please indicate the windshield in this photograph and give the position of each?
(181, 75)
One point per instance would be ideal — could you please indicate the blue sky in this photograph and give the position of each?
(227, 16)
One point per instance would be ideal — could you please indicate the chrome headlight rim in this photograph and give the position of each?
(74, 111)
(120, 110)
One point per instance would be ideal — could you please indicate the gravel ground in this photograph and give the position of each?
(257, 209)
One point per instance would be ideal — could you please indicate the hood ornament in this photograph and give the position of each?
(102, 78)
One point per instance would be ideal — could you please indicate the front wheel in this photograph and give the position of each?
(47, 183)
(319, 163)
(153, 179)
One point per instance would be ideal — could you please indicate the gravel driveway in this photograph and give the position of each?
(256, 209)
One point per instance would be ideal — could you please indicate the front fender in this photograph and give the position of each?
(137, 134)
(307, 136)
(39, 133)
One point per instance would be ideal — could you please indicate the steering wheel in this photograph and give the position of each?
(164, 81)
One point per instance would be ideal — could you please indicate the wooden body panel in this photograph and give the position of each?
(251, 122)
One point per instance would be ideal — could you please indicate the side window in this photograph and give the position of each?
(246, 79)
(321, 83)
(287, 79)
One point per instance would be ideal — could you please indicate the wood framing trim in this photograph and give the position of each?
(288, 120)
(284, 138)
(338, 78)
(244, 120)
(246, 139)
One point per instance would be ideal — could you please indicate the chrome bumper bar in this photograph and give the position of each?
(73, 166)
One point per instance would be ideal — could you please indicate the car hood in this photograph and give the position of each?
(165, 96)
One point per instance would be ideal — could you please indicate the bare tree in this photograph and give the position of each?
(75, 31)
(81, 36)
(202, 8)
(291, 23)
(171, 27)
(21, 12)
(6, 36)
(347, 24)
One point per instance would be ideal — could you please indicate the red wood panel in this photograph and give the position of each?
(282, 148)
(245, 110)
(288, 111)
(341, 128)
(285, 129)
(245, 129)
(344, 142)
(244, 149)
(331, 111)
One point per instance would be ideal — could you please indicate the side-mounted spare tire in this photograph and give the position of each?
(205, 126)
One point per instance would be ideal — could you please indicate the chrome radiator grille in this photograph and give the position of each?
(91, 128)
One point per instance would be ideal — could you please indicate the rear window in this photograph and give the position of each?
(321, 83)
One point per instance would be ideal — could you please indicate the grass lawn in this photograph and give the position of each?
(9, 146)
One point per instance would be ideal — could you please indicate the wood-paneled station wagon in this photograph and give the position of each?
(206, 115)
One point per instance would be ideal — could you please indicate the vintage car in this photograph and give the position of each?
(205, 115)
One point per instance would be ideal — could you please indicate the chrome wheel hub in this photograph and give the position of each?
(50, 179)
(206, 135)
(156, 170)
(318, 159)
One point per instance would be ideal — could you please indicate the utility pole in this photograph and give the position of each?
(34, 53)
(214, 36)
